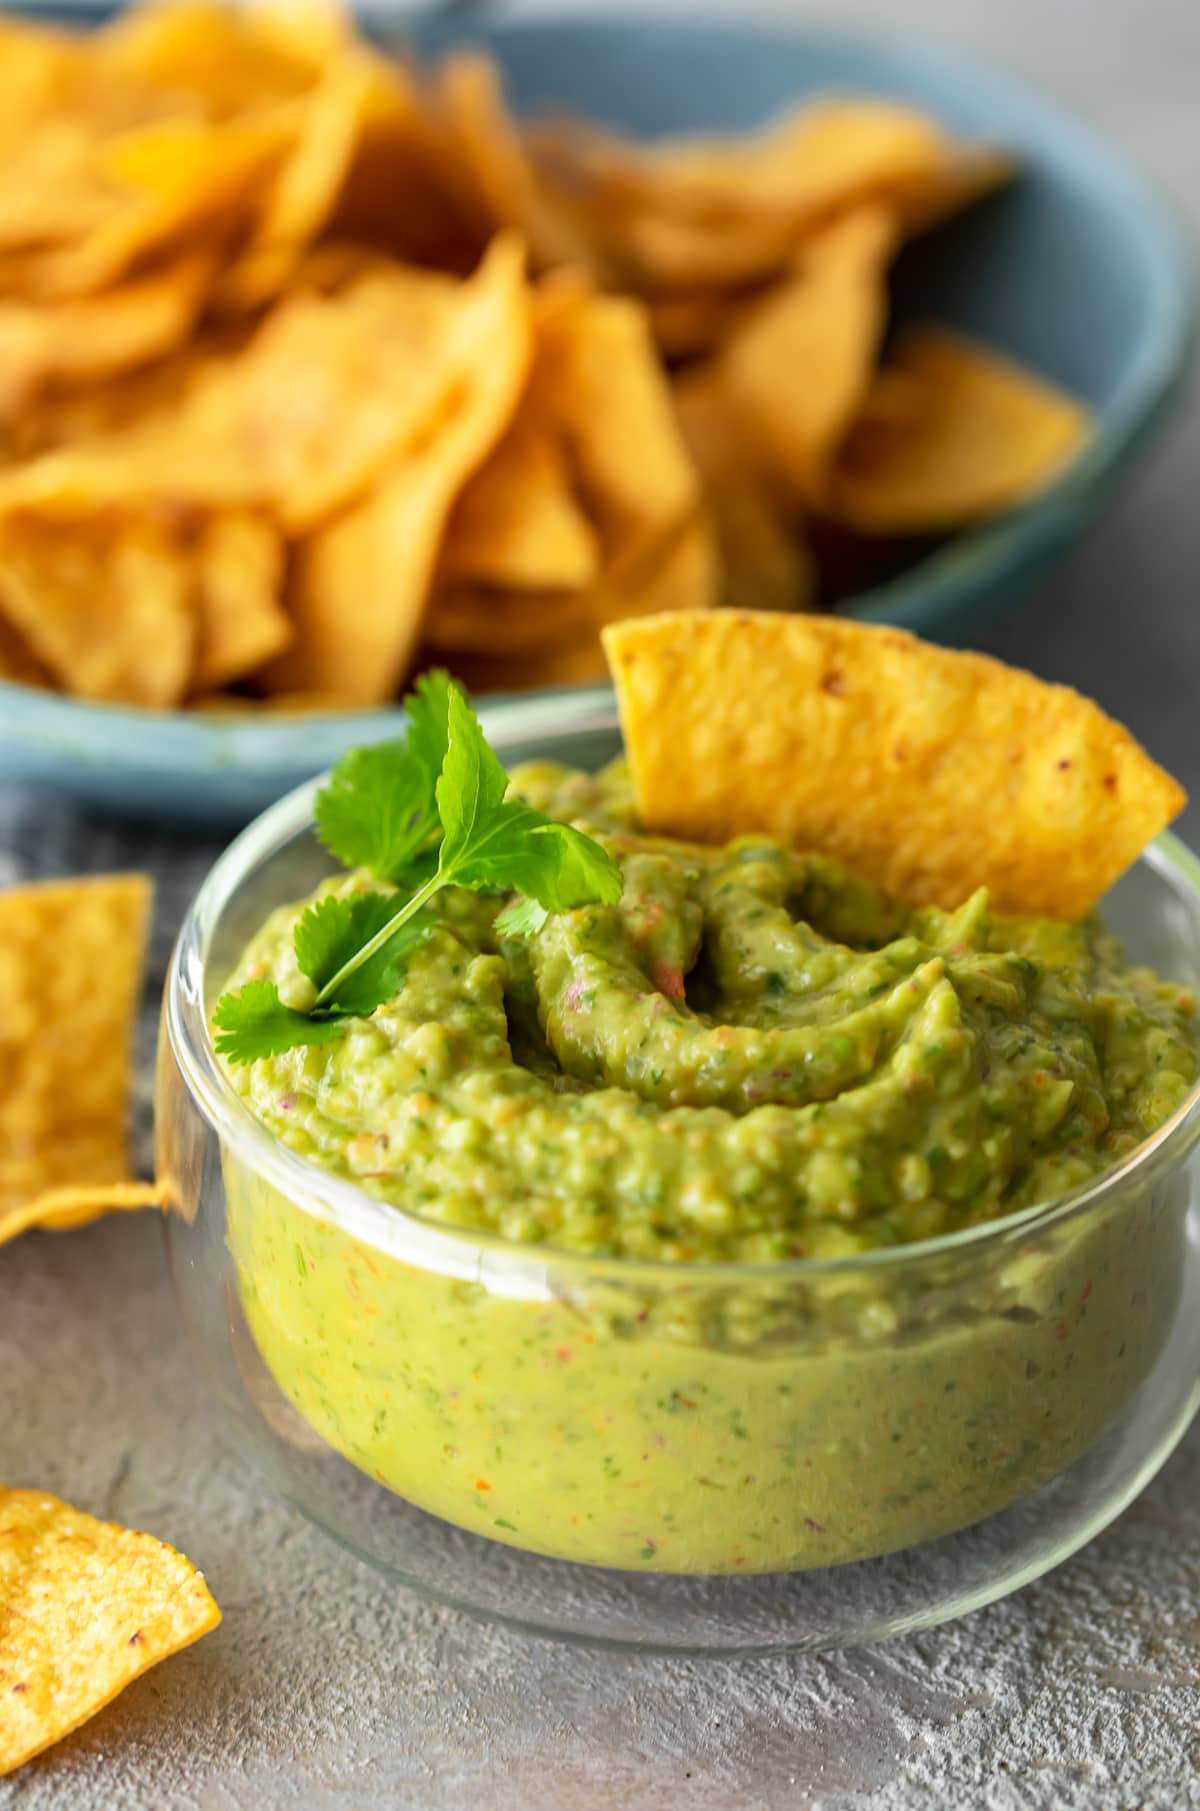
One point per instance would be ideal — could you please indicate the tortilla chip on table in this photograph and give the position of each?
(85, 1607)
(71, 974)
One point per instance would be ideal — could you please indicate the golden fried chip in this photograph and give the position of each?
(672, 572)
(63, 1209)
(52, 191)
(965, 175)
(402, 147)
(522, 624)
(102, 600)
(333, 387)
(361, 583)
(979, 435)
(763, 559)
(211, 59)
(306, 188)
(823, 157)
(691, 215)
(931, 772)
(85, 1607)
(241, 619)
(179, 178)
(65, 1032)
(99, 336)
(599, 378)
(518, 522)
(494, 168)
(798, 366)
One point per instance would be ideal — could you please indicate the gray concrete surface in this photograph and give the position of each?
(326, 1689)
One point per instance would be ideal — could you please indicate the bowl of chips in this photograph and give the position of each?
(871, 330)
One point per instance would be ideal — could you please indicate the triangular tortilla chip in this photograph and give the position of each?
(931, 772)
(101, 599)
(70, 983)
(362, 582)
(85, 1607)
(799, 365)
(978, 435)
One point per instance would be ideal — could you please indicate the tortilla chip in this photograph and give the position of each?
(305, 190)
(85, 1607)
(967, 174)
(98, 336)
(222, 60)
(979, 435)
(361, 584)
(541, 630)
(178, 178)
(501, 181)
(599, 378)
(821, 158)
(102, 601)
(402, 147)
(799, 365)
(931, 772)
(333, 387)
(52, 191)
(65, 1033)
(692, 215)
(241, 619)
(518, 522)
(63, 1209)
(763, 559)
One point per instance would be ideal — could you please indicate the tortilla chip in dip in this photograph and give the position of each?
(930, 771)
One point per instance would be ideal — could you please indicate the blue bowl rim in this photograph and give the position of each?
(916, 599)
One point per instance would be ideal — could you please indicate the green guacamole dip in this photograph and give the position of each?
(754, 1057)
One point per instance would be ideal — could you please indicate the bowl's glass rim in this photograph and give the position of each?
(473, 1254)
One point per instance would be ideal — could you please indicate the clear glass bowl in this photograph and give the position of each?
(702, 1458)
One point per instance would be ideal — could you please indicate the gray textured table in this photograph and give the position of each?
(325, 1688)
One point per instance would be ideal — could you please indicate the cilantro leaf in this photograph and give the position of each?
(254, 1022)
(379, 977)
(427, 710)
(332, 932)
(377, 809)
(328, 933)
(387, 808)
(491, 841)
(522, 918)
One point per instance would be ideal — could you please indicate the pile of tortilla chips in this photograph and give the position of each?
(315, 365)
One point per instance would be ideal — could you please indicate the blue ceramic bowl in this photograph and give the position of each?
(1079, 270)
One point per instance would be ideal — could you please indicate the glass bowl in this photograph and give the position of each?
(713, 1458)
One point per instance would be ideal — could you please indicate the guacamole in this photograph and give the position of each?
(755, 1057)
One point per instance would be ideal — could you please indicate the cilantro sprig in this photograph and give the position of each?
(421, 813)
